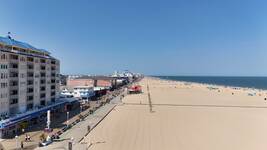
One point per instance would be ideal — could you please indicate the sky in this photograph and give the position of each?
(153, 37)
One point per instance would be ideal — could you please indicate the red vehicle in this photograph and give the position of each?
(135, 89)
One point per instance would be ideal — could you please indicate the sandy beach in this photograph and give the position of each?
(184, 116)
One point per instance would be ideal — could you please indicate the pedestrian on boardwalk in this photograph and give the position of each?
(21, 145)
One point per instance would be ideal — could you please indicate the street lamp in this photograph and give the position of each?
(17, 142)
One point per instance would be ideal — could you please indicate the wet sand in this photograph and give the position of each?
(184, 116)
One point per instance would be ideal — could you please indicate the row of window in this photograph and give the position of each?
(31, 74)
(15, 66)
(23, 59)
(3, 85)
(14, 83)
(3, 66)
(15, 100)
(3, 56)
(4, 75)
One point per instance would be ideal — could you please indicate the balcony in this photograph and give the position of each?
(29, 106)
(53, 94)
(42, 89)
(29, 98)
(53, 75)
(53, 68)
(30, 59)
(42, 61)
(13, 85)
(30, 94)
(30, 67)
(13, 101)
(42, 82)
(53, 62)
(53, 87)
(14, 58)
(42, 102)
(14, 75)
(30, 75)
(53, 99)
(13, 66)
(42, 96)
(30, 83)
(43, 75)
(13, 94)
(53, 81)
(30, 90)
(42, 67)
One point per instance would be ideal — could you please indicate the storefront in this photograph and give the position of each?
(14, 125)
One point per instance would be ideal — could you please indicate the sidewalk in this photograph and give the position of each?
(78, 131)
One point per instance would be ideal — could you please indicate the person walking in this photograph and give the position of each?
(21, 145)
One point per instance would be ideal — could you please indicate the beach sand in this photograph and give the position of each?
(186, 117)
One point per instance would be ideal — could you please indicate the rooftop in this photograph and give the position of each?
(96, 77)
(11, 42)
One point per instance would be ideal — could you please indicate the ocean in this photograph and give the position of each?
(245, 82)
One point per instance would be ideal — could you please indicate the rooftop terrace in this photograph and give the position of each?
(11, 44)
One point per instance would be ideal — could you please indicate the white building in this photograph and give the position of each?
(83, 92)
(66, 94)
(29, 77)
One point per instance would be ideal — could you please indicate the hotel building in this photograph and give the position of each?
(29, 78)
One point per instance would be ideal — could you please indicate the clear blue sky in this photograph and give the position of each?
(179, 37)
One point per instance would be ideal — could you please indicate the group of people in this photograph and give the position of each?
(27, 138)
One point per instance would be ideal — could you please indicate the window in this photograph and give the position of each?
(42, 74)
(30, 74)
(42, 95)
(42, 81)
(29, 106)
(22, 59)
(30, 59)
(42, 60)
(3, 66)
(42, 103)
(30, 98)
(14, 57)
(30, 90)
(14, 92)
(13, 83)
(3, 56)
(42, 88)
(13, 74)
(29, 66)
(3, 85)
(30, 82)
(14, 101)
